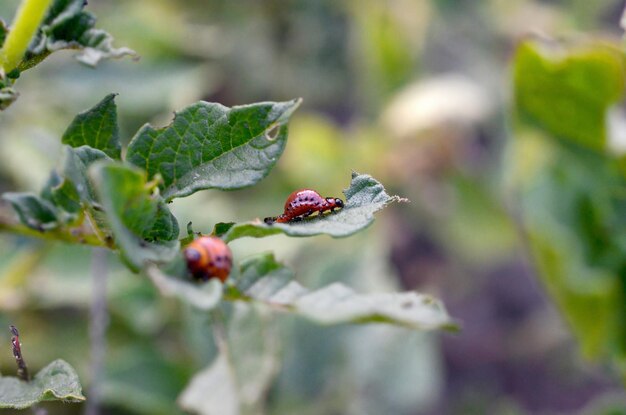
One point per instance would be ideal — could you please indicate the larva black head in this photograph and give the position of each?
(334, 202)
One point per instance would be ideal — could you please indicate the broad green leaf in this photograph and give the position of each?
(243, 377)
(134, 213)
(211, 146)
(572, 226)
(33, 211)
(57, 381)
(364, 197)
(96, 128)
(204, 296)
(67, 26)
(567, 94)
(75, 162)
(572, 196)
(265, 281)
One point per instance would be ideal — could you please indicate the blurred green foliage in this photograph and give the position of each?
(352, 62)
(574, 197)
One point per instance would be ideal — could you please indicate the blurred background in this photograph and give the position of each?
(414, 92)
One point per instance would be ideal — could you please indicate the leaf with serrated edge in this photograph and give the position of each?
(57, 381)
(364, 197)
(131, 213)
(67, 26)
(97, 128)
(265, 281)
(211, 146)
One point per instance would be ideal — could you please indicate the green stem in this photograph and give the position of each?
(28, 18)
(52, 235)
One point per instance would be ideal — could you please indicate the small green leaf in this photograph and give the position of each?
(567, 94)
(364, 197)
(212, 146)
(67, 26)
(57, 381)
(8, 95)
(265, 281)
(62, 193)
(204, 296)
(33, 211)
(75, 163)
(97, 128)
(65, 195)
(134, 214)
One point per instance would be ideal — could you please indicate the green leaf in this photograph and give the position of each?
(203, 296)
(364, 197)
(65, 195)
(8, 95)
(572, 196)
(75, 163)
(212, 391)
(134, 213)
(212, 146)
(33, 211)
(67, 26)
(97, 128)
(57, 381)
(573, 229)
(4, 30)
(265, 281)
(567, 94)
(238, 379)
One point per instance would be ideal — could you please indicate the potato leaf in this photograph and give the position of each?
(57, 381)
(364, 197)
(211, 146)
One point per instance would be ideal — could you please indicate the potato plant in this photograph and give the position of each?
(114, 198)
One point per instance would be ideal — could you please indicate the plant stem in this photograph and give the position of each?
(27, 20)
(99, 319)
(52, 235)
(22, 369)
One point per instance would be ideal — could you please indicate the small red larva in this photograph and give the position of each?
(208, 257)
(303, 203)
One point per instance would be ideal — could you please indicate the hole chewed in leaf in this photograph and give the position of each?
(272, 133)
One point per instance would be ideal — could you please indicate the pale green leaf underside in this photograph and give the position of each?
(57, 381)
(265, 281)
(364, 197)
(203, 296)
(211, 146)
(212, 391)
(239, 380)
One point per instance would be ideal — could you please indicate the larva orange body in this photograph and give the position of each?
(303, 203)
(209, 257)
